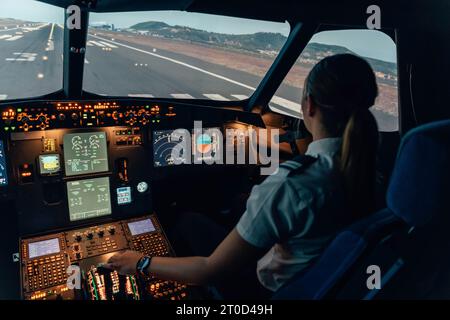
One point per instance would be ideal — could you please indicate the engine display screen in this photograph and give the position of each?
(88, 198)
(3, 168)
(49, 163)
(140, 227)
(85, 153)
(42, 248)
(164, 143)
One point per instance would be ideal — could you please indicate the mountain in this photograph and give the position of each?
(314, 52)
(261, 41)
(265, 43)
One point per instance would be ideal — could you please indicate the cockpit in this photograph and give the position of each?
(119, 118)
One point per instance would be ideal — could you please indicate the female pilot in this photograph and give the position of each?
(290, 218)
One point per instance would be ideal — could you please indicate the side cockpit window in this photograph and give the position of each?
(375, 46)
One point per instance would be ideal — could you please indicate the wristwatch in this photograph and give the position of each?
(143, 264)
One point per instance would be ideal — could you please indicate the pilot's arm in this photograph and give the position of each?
(232, 253)
(262, 225)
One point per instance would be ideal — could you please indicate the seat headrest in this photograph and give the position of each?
(419, 189)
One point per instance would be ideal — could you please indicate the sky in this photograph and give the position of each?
(368, 43)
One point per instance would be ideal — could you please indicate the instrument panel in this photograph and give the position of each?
(92, 168)
(18, 117)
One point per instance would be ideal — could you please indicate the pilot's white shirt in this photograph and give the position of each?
(296, 216)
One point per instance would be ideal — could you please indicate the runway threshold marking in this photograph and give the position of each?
(181, 96)
(140, 95)
(23, 56)
(108, 44)
(98, 44)
(13, 38)
(215, 96)
(239, 96)
(286, 103)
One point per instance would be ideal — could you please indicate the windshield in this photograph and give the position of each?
(179, 54)
(31, 45)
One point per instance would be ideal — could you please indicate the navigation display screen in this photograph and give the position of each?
(3, 169)
(49, 163)
(140, 227)
(85, 153)
(163, 145)
(42, 248)
(88, 198)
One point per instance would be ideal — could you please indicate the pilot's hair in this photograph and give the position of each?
(344, 87)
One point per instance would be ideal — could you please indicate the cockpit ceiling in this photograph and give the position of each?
(351, 12)
(124, 5)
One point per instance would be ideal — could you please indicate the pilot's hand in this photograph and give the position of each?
(124, 262)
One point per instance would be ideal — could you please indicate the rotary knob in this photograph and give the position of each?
(42, 118)
(130, 117)
(144, 118)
